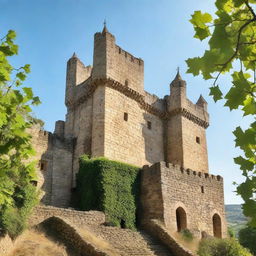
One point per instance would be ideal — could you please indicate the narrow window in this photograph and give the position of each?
(149, 125)
(125, 116)
(198, 140)
(125, 54)
(120, 50)
(42, 166)
(202, 189)
(126, 82)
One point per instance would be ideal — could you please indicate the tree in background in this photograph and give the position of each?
(221, 247)
(17, 173)
(247, 238)
(232, 49)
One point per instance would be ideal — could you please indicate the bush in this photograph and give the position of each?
(247, 238)
(231, 232)
(111, 187)
(187, 235)
(221, 247)
(13, 219)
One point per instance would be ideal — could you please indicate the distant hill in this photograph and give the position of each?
(235, 218)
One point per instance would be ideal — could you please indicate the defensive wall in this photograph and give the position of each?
(182, 198)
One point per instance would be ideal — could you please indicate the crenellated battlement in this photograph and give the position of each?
(178, 172)
(128, 56)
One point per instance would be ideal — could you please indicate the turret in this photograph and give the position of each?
(77, 73)
(186, 139)
(177, 92)
(104, 52)
(202, 102)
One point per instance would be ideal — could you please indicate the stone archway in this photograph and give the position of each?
(216, 221)
(181, 219)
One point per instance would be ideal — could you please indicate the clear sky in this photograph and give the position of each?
(158, 31)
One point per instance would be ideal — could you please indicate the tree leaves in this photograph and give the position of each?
(232, 38)
(199, 21)
(16, 172)
(216, 93)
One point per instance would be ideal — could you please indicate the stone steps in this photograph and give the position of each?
(130, 243)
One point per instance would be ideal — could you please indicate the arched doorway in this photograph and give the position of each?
(216, 221)
(181, 219)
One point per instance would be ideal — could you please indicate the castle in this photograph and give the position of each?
(109, 114)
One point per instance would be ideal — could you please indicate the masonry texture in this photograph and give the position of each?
(109, 114)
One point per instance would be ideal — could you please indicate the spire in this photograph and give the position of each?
(105, 30)
(74, 55)
(201, 101)
(178, 77)
(178, 81)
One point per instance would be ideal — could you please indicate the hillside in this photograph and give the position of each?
(235, 218)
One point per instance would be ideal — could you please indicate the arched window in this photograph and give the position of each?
(126, 82)
(181, 219)
(216, 221)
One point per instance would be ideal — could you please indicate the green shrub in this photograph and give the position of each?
(247, 238)
(111, 187)
(231, 232)
(187, 235)
(13, 218)
(221, 247)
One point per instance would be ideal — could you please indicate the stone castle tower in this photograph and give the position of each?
(109, 114)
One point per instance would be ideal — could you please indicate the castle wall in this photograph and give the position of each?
(131, 141)
(194, 146)
(54, 168)
(98, 122)
(200, 195)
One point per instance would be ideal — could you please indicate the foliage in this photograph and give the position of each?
(16, 171)
(221, 247)
(232, 40)
(231, 232)
(187, 235)
(247, 238)
(109, 186)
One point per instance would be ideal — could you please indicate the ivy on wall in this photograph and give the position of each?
(111, 187)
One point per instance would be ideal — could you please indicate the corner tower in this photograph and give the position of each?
(186, 138)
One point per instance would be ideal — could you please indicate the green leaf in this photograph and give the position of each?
(194, 65)
(28, 92)
(216, 93)
(21, 76)
(249, 106)
(200, 19)
(27, 68)
(245, 165)
(11, 35)
(36, 101)
(202, 33)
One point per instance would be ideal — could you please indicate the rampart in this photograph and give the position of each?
(168, 190)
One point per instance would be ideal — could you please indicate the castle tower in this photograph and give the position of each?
(186, 138)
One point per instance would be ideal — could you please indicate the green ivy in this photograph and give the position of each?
(111, 187)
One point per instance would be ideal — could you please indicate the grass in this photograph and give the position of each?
(34, 243)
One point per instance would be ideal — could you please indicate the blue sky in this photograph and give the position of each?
(158, 31)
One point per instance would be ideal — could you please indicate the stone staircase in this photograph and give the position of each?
(130, 243)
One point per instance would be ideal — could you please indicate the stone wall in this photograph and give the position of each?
(131, 141)
(199, 194)
(54, 168)
(79, 218)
